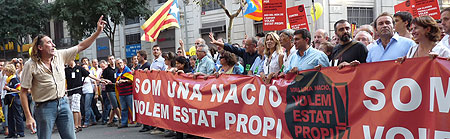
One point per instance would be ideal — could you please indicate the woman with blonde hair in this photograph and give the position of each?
(274, 57)
(12, 101)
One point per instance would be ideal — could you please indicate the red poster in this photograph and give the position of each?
(372, 100)
(428, 7)
(297, 17)
(274, 15)
(404, 7)
(420, 8)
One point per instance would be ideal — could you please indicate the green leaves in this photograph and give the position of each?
(82, 15)
(22, 17)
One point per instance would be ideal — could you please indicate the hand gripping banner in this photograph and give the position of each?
(373, 101)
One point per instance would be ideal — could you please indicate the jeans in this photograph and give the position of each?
(125, 103)
(5, 114)
(89, 114)
(106, 107)
(54, 112)
(15, 116)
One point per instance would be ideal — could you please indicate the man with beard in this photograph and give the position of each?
(347, 49)
(390, 45)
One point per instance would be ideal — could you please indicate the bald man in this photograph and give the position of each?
(320, 36)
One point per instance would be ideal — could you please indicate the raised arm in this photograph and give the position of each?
(86, 43)
(182, 47)
(214, 41)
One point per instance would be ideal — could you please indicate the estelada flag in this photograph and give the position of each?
(254, 10)
(166, 16)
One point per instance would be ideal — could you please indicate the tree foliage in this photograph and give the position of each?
(82, 15)
(20, 18)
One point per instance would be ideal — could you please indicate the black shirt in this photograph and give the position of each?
(145, 66)
(74, 78)
(109, 74)
(355, 52)
(246, 56)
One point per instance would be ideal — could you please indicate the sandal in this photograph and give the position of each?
(84, 126)
(78, 129)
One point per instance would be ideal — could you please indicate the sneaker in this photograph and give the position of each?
(169, 133)
(138, 125)
(112, 124)
(122, 126)
(20, 136)
(156, 132)
(144, 129)
(11, 136)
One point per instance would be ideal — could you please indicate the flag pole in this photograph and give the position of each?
(314, 17)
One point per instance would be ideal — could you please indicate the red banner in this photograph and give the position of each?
(297, 17)
(420, 8)
(274, 15)
(374, 100)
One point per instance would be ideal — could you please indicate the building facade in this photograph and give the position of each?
(197, 21)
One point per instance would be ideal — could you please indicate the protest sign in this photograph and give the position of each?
(420, 8)
(297, 17)
(372, 100)
(274, 15)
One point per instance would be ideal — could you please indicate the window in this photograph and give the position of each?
(360, 15)
(258, 25)
(133, 39)
(129, 21)
(212, 5)
(445, 4)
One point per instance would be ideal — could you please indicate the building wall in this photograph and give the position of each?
(193, 20)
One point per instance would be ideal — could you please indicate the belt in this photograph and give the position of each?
(52, 100)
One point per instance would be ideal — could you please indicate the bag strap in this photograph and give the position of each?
(345, 49)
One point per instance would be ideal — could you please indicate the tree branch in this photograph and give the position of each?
(223, 7)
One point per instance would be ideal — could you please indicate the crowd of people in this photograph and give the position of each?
(268, 56)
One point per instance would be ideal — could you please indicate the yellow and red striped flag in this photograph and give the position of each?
(254, 10)
(166, 16)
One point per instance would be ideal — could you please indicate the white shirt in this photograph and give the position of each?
(286, 58)
(444, 41)
(87, 85)
(2, 84)
(439, 49)
(273, 65)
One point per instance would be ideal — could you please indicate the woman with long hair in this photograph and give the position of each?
(274, 56)
(182, 64)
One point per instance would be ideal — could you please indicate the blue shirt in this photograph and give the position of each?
(158, 64)
(311, 58)
(205, 65)
(397, 47)
(258, 65)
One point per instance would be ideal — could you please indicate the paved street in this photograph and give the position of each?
(103, 132)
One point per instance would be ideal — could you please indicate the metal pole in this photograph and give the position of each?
(315, 17)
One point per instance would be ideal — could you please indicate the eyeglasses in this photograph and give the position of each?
(197, 43)
(221, 57)
(179, 52)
